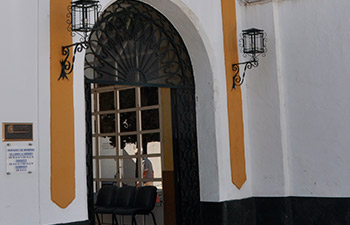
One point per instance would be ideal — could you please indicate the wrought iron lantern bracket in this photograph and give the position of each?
(82, 15)
(237, 79)
(67, 66)
(252, 43)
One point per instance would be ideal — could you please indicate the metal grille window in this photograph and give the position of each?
(126, 136)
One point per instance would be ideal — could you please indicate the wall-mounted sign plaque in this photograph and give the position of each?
(17, 132)
(20, 159)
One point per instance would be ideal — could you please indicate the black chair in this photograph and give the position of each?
(144, 203)
(124, 199)
(105, 200)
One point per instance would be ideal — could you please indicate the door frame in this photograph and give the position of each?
(184, 129)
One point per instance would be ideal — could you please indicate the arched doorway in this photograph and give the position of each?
(137, 46)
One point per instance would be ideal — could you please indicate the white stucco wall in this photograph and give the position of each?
(262, 112)
(19, 193)
(316, 70)
(26, 78)
(25, 97)
(50, 213)
(29, 87)
(297, 101)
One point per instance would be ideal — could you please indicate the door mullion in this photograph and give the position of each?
(138, 131)
(117, 136)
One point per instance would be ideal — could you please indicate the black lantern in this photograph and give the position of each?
(84, 15)
(253, 43)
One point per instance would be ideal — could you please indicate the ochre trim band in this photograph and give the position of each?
(62, 112)
(234, 97)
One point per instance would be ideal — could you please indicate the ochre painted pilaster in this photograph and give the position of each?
(234, 97)
(62, 113)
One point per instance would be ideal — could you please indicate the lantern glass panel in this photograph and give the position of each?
(248, 44)
(259, 40)
(253, 41)
(84, 15)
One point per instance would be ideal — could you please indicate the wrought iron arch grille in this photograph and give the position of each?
(133, 44)
(185, 157)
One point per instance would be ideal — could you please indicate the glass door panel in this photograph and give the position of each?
(108, 168)
(107, 146)
(126, 138)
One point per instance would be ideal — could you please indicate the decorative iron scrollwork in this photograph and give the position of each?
(89, 154)
(253, 44)
(134, 44)
(186, 157)
(67, 66)
(237, 79)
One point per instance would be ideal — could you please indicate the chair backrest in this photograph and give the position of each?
(125, 197)
(106, 195)
(145, 198)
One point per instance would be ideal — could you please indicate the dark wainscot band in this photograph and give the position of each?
(278, 211)
(86, 222)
